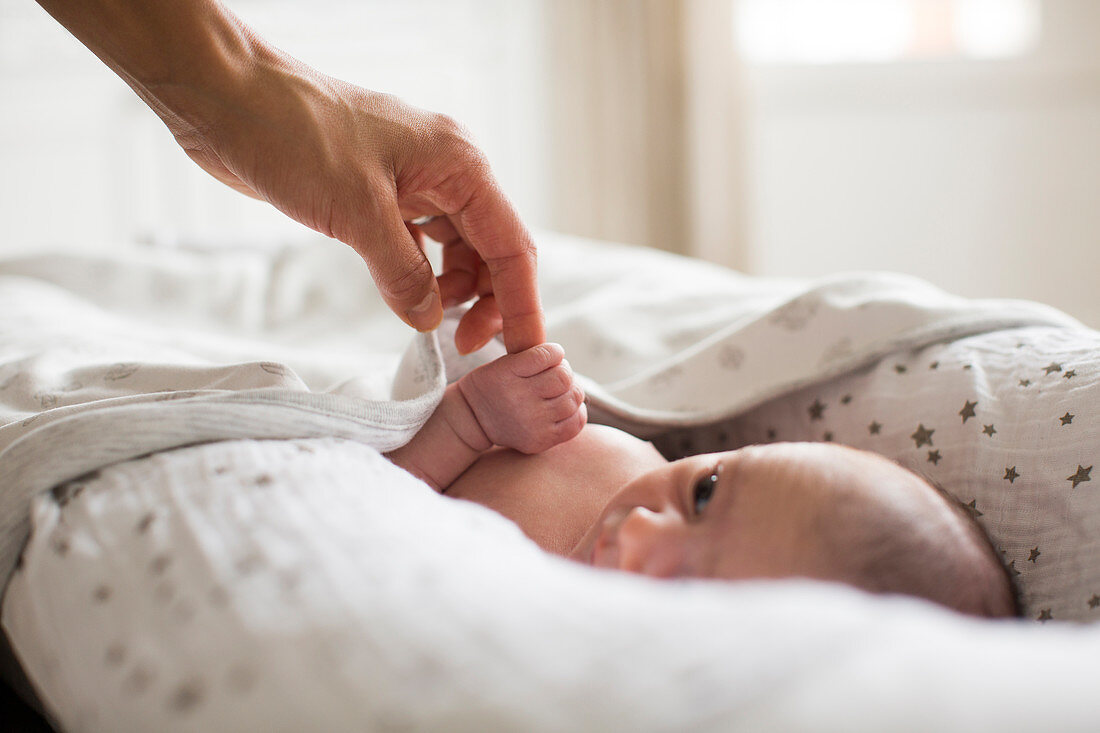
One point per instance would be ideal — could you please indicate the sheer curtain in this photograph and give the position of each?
(645, 124)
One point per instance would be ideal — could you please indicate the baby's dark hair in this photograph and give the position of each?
(960, 569)
(968, 515)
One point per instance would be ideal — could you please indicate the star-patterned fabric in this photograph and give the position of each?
(1007, 422)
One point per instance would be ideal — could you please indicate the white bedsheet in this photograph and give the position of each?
(102, 362)
(309, 585)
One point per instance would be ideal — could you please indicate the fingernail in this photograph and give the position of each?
(476, 347)
(426, 314)
(424, 304)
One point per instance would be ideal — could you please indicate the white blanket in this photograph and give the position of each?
(150, 350)
(311, 586)
(102, 361)
(655, 334)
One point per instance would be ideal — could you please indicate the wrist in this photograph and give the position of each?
(460, 415)
(446, 445)
(218, 73)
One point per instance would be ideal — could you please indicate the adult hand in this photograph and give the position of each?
(357, 166)
(348, 162)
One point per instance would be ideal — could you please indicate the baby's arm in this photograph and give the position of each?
(526, 401)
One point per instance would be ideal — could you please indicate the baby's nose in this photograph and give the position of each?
(648, 544)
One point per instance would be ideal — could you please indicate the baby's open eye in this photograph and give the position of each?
(703, 491)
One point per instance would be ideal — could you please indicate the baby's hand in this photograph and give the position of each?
(526, 401)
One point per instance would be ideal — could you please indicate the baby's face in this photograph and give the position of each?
(759, 512)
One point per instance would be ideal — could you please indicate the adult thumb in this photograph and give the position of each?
(401, 271)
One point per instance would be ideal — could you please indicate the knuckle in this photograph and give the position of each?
(566, 409)
(557, 381)
(407, 283)
(456, 140)
(548, 355)
(555, 352)
(564, 374)
(568, 428)
(387, 100)
(447, 126)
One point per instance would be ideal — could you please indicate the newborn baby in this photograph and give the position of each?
(511, 435)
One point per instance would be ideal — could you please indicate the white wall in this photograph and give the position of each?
(983, 177)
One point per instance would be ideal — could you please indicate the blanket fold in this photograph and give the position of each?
(106, 358)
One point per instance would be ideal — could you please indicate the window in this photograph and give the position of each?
(876, 31)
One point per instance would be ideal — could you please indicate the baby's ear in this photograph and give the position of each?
(536, 359)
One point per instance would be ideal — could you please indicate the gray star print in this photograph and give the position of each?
(1081, 476)
(922, 436)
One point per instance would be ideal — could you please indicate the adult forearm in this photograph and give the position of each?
(345, 161)
(187, 59)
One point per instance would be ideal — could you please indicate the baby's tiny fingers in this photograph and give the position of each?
(568, 428)
(553, 382)
(536, 359)
(561, 407)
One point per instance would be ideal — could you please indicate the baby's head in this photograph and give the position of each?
(811, 510)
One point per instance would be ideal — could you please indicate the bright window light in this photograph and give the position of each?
(879, 31)
(996, 28)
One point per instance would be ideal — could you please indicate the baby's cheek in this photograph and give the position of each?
(670, 560)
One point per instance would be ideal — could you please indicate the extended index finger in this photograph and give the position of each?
(493, 228)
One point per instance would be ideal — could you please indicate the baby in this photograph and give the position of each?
(511, 435)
